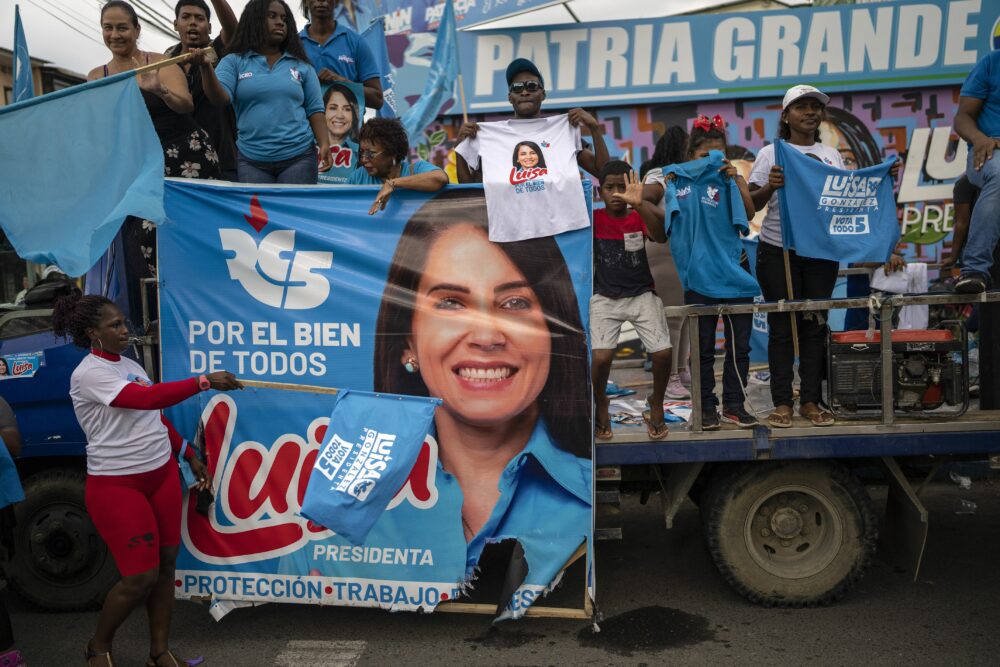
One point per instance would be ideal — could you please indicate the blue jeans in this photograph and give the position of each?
(984, 228)
(734, 375)
(303, 169)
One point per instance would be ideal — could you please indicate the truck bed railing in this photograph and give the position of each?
(878, 303)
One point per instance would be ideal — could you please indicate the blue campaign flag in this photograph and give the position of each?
(374, 36)
(440, 85)
(371, 445)
(836, 214)
(24, 85)
(73, 165)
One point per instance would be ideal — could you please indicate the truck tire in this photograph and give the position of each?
(59, 563)
(790, 534)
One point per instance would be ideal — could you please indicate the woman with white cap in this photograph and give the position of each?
(803, 109)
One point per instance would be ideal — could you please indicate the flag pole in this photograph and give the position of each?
(176, 60)
(791, 297)
(461, 81)
(312, 389)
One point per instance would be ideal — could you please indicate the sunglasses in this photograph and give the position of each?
(530, 86)
(369, 155)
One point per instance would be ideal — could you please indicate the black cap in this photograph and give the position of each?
(522, 65)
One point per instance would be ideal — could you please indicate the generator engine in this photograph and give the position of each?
(928, 371)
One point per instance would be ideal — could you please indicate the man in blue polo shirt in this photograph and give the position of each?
(338, 53)
(978, 122)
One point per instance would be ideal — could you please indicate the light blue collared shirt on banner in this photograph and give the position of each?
(272, 104)
(344, 53)
(406, 168)
(983, 83)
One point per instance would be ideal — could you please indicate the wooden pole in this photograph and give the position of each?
(312, 389)
(791, 297)
(176, 60)
(461, 97)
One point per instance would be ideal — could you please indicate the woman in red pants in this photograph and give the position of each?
(133, 491)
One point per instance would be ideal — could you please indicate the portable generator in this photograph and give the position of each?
(929, 369)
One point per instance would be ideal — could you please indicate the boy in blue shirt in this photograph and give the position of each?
(623, 292)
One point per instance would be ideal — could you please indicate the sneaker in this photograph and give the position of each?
(739, 416)
(709, 420)
(685, 375)
(760, 377)
(676, 390)
(971, 283)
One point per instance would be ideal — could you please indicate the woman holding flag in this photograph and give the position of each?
(804, 109)
(783, 273)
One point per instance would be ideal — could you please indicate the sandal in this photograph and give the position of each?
(602, 431)
(655, 431)
(89, 654)
(154, 660)
(819, 417)
(779, 420)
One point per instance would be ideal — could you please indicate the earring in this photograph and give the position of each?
(411, 365)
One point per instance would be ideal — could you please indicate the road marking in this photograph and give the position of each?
(318, 653)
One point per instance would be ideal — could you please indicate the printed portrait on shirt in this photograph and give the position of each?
(528, 168)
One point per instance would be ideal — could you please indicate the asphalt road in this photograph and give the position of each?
(662, 601)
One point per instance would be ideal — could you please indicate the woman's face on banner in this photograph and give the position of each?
(479, 334)
(526, 156)
(339, 117)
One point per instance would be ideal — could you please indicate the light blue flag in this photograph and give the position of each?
(440, 85)
(368, 452)
(24, 85)
(836, 214)
(374, 36)
(73, 165)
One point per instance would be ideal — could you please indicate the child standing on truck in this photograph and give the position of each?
(624, 291)
(707, 207)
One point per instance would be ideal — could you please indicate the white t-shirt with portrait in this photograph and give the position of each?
(119, 441)
(538, 194)
(770, 228)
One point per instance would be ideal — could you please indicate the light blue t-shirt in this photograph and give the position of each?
(272, 104)
(406, 168)
(344, 53)
(705, 217)
(983, 83)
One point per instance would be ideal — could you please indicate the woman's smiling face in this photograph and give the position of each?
(527, 157)
(339, 116)
(479, 334)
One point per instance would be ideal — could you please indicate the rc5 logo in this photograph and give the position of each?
(273, 272)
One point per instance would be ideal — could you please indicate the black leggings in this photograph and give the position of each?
(811, 279)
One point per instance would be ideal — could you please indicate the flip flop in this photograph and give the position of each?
(779, 420)
(655, 431)
(154, 661)
(602, 431)
(820, 417)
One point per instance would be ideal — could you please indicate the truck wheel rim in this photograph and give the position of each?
(793, 532)
(59, 540)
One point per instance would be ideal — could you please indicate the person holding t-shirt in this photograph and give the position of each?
(276, 95)
(623, 292)
(978, 122)
(338, 52)
(193, 23)
(526, 92)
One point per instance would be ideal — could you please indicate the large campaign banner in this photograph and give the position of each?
(300, 286)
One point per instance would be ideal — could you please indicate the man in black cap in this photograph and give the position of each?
(526, 91)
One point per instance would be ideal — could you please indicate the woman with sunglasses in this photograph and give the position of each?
(384, 150)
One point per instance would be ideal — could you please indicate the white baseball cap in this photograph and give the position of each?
(798, 92)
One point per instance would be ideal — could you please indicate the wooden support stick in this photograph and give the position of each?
(312, 389)
(461, 97)
(791, 297)
(176, 60)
